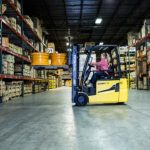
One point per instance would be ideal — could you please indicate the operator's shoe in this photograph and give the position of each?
(90, 85)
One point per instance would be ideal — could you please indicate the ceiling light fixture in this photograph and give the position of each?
(98, 21)
(101, 43)
(67, 43)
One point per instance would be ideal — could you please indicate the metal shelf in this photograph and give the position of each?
(12, 5)
(23, 38)
(66, 67)
(5, 76)
(7, 50)
(142, 40)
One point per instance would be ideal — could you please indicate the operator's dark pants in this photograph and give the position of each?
(96, 76)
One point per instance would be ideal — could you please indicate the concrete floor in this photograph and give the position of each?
(47, 121)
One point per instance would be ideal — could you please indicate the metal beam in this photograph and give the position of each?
(80, 19)
(139, 20)
(52, 22)
(97, 15)
(81, 12)
(112, 17)
(131, 13)
(75, 28)
(65, 12)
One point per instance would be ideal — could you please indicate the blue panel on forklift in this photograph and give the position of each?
(69, 58)
(75, 69)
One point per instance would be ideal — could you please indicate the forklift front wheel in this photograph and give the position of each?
(81, 99)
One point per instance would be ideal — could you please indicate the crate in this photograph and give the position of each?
(68, 83)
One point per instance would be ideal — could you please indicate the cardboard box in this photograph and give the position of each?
(40, 32)
(144, 67)
(12, 1)
(143, 31)
(18, 5)
(5, 41)
(4, 7)
(12, 21)
(18, 28)
(51, 48)
(132, 38)
(60, 72)
(148, 29)
(52, 83)
(36, 22)
(68, 83)
(29, 21)
(148, 56)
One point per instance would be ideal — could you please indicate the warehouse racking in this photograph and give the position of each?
(131, 66)
(18, 39)
(142, 65)
(142, 45)
(128, 64)
(122, 53)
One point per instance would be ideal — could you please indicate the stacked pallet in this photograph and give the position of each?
(8, 64)
(68, 83)
(10, 90)
(27, 88)
(52, 84)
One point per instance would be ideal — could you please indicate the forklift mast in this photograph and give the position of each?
(75, 70)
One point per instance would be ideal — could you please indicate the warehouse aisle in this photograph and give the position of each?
(46, 121)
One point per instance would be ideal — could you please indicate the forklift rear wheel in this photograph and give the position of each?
(81, 99)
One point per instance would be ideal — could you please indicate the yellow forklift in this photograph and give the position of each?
(111, 88)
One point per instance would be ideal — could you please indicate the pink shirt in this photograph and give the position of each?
(102, 64)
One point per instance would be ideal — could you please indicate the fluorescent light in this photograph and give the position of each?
(98, 21)
(69, 49)
(101, 43)
(67, 43)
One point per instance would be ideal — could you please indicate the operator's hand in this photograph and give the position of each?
(93, 63)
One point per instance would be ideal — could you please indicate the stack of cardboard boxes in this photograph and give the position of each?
(29, 21)
(27, 70)
(5, 41)
(11, 46)
(68, 83)
(3, 8)
(39, 87)
(131, 66)
(10, 89)
(148, 62)
(37, 26)
(36, 89)
(12, 22)
(133, 37)
(8, 64)
(2, 88)
(27, 88)
(18, 68)
(142, 53)
(122, 53)
(55, 78)
(15, 48)
(51, 48)
(52, 82)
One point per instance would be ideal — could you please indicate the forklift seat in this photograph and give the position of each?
(108, 75)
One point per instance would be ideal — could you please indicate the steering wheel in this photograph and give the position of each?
(90, 65)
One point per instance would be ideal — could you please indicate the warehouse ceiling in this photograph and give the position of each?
(119, 17)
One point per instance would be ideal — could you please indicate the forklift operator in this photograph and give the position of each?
(102, 68)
